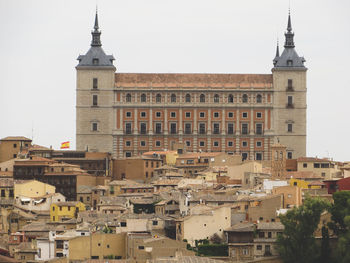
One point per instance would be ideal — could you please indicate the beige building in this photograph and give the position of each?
(11, 146)
(323, 168)
(128, 114)
(203, 223)
(32, 188)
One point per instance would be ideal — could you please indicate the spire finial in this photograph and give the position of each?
(289, 26)
(289, 34)
(96, 33)
(277, 49)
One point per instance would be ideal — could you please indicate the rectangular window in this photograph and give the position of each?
(201, 114)
(188, 128)
(230, 114)
(94, 126)
(245, 128)
(258, 115)
(128, 114)
(158, 128)
(230, 129)
(216, 144)
(244, 114)
(202, 128)
(94, 83)
(258, 156)
(173, 128)
(244, 144)
(123, 224)
(158, 114)
(157, 143)
(143, 143)
(128, 128)
(259, 247)
(290, 127)
(244, 156)
(94, 100)
(11, 193)
(143, 128)
(143, 114)
(188, 143)
(188, 114)
(258, 128)
(128, 143)
(290, 100)
(290, 84)
(216, 115)
(3, 193)
(127, 154)
(14, 145)
(316, 165)
(258, 144)
(230, 144)
(201, 143)
(289, 155)
(173, 114)
(216, 128)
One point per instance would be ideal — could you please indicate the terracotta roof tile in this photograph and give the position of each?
(192, 80)
(15, 138)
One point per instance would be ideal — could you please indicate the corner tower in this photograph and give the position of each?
(289, 82)
(94, 105)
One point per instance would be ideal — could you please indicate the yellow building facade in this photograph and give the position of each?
(59, 211)
(33, 188)
(303, 184)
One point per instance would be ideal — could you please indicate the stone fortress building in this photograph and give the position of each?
(131, 113)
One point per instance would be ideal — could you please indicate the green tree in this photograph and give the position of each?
(339, 210)
(325, 256)
(297, 243)
(340, 224)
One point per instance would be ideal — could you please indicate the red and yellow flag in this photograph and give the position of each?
(65, 145)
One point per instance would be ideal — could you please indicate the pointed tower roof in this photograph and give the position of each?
(96, 57)
(289, 57)
(277, 54)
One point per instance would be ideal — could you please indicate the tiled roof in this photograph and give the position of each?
(70, 203)
(241, 227)
(313, 159)
(270, 226)
(196, 155)
(185, 259)
(302, 175)
(84, 189)
(122, 182)
(192, 80)
(158, 152)
(16, 138)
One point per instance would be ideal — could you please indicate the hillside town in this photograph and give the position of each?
(174, 205)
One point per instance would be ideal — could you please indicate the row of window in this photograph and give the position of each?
(188, 98)
(202, 128)
(201, 144)
(216, 114)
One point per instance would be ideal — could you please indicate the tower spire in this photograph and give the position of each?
(277, 53)
(96, 33)
(289, 34)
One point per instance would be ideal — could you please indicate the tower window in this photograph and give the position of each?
(290, 84)
(216, 98)
(230, 98)
(202, 98)
(94, 126)
(290, 127)
(289, 62)
(245, 98)
(173, 98)
(95, 61)
(258, 98)
(94, 83)
(94, 100)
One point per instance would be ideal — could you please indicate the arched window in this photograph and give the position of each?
(173, 98)
(188, 98)
(202, 98)
(230, 98)
(143, 97)
(245, 98)
(258, 98)
(158, 98)
(216, 98)
(128, 97)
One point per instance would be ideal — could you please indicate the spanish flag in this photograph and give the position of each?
(65, 145)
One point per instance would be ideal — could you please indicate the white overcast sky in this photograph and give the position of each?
(40, 41)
